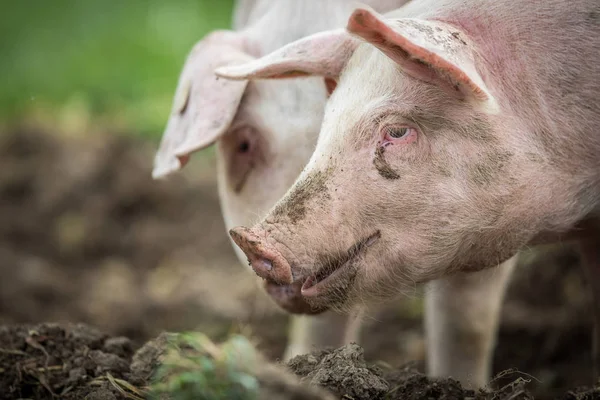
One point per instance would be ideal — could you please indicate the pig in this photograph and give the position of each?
(457, 133)
(265, 132)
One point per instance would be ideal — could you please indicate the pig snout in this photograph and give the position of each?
(265, 260)
(268, 263)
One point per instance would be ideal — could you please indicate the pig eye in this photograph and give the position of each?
(402, 134)
(397, 133)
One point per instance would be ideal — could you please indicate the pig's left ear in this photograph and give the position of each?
(204, 106)
(428, 50)
(323, 54)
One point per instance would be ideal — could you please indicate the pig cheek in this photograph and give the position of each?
(414, 150)
(408, 217)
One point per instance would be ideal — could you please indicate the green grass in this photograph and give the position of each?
(115, 60)
(195, 368)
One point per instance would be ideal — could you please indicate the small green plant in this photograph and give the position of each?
(194, 367)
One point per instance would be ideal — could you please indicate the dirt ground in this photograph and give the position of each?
(86, 236)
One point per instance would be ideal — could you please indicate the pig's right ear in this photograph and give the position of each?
(204, 105)
(429, 50)
(323, 54)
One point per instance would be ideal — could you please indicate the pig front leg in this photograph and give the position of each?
(461, 321)
(308, 333)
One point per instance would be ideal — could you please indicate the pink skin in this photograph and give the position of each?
(449, 143)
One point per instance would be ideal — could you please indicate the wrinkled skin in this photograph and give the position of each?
(450, 164)
(265, 131)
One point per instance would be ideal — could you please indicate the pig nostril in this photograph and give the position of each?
(264, 264)
(262, 267)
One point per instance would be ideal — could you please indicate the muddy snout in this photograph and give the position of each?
(266, 261)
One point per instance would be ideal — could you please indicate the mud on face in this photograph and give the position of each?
(311, 189)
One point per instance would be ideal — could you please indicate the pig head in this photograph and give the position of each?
(447, 145)
(265, 131)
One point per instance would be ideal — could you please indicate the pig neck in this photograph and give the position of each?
(272, 24)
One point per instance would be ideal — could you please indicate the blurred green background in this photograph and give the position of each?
(102, 62)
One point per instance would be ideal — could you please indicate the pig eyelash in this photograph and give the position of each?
(398, 134)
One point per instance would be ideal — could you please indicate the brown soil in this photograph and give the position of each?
(87, 236)
(79, 362)
(39, 362)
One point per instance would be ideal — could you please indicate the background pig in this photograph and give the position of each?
(458, 133)
(265, 131)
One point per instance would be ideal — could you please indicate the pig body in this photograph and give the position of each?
(265, 132)
(459, 132)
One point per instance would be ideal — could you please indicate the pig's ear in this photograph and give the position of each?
(428, 50)
(204, 105)
(323, 54)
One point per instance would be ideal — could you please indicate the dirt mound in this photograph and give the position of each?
(343, 371)
(79, 362)
(350, 377)
(71, 362)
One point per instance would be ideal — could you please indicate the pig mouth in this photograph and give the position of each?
(337, 275)
(289, 297)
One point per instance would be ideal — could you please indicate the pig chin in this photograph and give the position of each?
(289, 297)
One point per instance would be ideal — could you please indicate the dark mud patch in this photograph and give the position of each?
(294, 205)
(488, 170)
(382, 166)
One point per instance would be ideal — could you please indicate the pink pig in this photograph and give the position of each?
(265, 131)
(460, 131)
